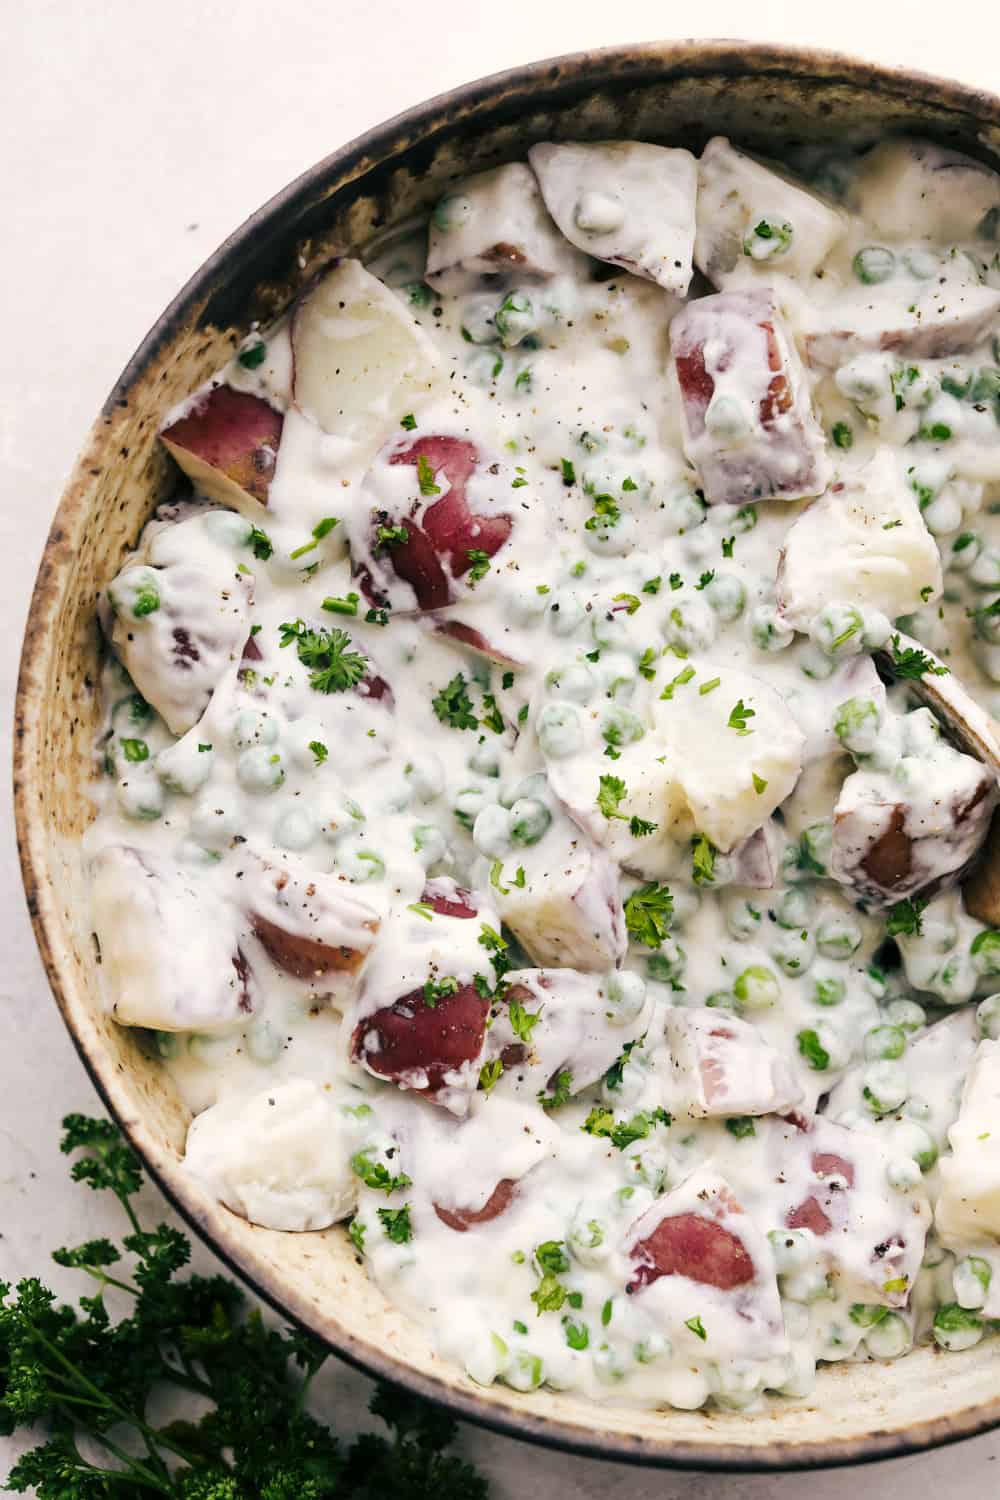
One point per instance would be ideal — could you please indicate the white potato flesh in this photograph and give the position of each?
(494, 223)
(569, 910)
(748, 425)
(280, 1158)
(968, 1208)
(361, 362)
(625, 202)
(736, 192)
(169, 943)
(723, 1066)
(715, 765)
(947, 318)
(864, 541)
(918, 190)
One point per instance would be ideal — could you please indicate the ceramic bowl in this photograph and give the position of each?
(676, 93)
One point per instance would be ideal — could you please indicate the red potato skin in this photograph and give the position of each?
(810, 1214)
(244, 974)
(303, 957)
(698, 386)
(457, 905)
(474, 640)
(464, 1219)
(234, 432)
(440, 534)
(689, 1245)
(411, 1036)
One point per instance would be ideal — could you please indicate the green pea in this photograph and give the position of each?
(793, 950)
(757, 988)
(727, 596)
(838, 630)
(874, 264)
(525, 1371)
(985, 952)
(838, 937)
(515, 318)
(885, 1042)
(829, 991)
(619, 726)
(856, 725)
(956, 1327)
(905, 1014)
(743, 919)
(986, 385)
(559, 730)
(529, 820)
(260, 769)
(971, 1279)
(768, 631)
(884, 1086)
(889, 1338)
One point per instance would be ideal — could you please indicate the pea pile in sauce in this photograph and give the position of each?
(507, 839)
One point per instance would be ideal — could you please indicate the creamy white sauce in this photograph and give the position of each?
(688, 1146)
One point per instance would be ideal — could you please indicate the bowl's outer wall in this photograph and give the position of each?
(764, 97)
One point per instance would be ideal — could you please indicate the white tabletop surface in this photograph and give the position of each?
(137, 135)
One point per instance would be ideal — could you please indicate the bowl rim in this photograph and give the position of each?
(372, 147)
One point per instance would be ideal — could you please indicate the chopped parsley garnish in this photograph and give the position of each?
(396, 1223)
(601, 1122)
(523, 1022)
(577, 1334)
(421, 909)
(910, 664)
(356, 1229)
(641, 828)
(346, 606)
(676, 582)
(813, 1051)
(333, 667)
(696, 1326)
(648, 912)
(926, 592)
(390, 536)
(705, 579)
(613, 1077)
(606, 1312)
(490, 1074)
(202, 749)
(759, 784)
(375, 1175)
(561, 1092)
(260, 544)
(425, 476)
(322, 529)
(606, 513)
(647, 663)
(568, 471)
(453, 706)
(377, 617)
(551, 1256)
(741, 1126)
(709, 687)
(135, 750)
(613, 791)
(433, 992)
(683, 676)
(253, 357)
(843, 436)
(507, 680)
(631, 601)
(479, 564)
(549, 1295)
(738, 717)
(703, 853)
(652, 585)
(409, 421)
(628, 484)
(319, 750)
(937, 432)
(728, 543)
(906, 917)
(492, 717)
(496, 946)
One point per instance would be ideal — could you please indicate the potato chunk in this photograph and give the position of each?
(968, 1208)
(625, 202)
(227, 444)
(748, 426)
(170, 944)
(280, 1158)
(864, 541)
(733, 768)
(723, 1066)
(494, 223)
(361, 361)
(753, 218)
(310, 924)
(919, 190)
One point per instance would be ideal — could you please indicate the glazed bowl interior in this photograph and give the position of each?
(766, 99)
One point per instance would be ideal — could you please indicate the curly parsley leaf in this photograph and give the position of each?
(906, 917)
(648, 911)
(908, 663)
(453, 706)
(333, 666)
